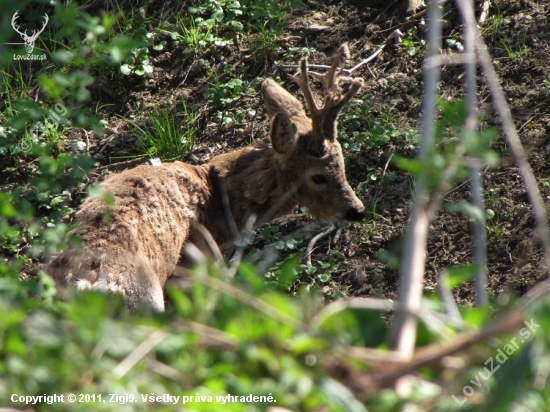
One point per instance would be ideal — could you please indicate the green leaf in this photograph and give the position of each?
(412, 166)
(218, 15)
(235, 25)
(126, 69)
(460, 274)
(62, 57)
(342, 395)
(310, 270)
(511, 378)
(477, 316)
(323, 277)
(146, 65)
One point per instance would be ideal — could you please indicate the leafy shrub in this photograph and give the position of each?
(218, 337)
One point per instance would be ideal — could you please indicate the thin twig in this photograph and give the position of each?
(413, 262)
(484, 12)
(472, 126)
(87, 141)
(164, 370)
(448, 298)
(123, 165)
(533, 294)
(314, 240)
(246, 298)
(139, 353)
(352, 303)
(209, 239)
(480, 234)
(246, 236)
(230, 219)
(345, 71)
(367, 60)
(434, 353)
(210, 336)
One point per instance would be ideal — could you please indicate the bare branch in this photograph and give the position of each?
(431, 354)
(314, 240)
(139, 353)
(348, 72)
(484, 12)
(480, 232)
(448, 298)
(413, 263)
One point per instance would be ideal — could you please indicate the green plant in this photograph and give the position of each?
(514, 53)
(14, 85)
(166, 135)
(13, 89)
(271, 12)
(496, 19)
(413, 43)
(198, 34)
(218, 11)
(225, 93)
(327, 269)
(227, 13)
(138, 61)
(360, 126)
(34, 141)
(228, 118)
(129, 17)
(263, 41)
(299, 52)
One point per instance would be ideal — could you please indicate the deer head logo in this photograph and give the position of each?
(29, 40)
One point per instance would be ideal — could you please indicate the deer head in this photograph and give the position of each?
(306, 148)
(29, 40)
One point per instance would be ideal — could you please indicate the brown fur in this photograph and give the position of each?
(134, 246)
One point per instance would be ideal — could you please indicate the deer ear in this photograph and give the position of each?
(283, 134)
(277, 100)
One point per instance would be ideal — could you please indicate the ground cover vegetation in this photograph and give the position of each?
(306, 323)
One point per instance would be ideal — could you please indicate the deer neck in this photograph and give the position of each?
(248, 182)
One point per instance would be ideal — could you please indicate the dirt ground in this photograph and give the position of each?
(520, 48)
(394, 80)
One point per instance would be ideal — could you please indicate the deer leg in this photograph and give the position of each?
(130, 275)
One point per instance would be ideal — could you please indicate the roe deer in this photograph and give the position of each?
(137, 248)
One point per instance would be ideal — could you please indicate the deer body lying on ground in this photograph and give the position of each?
(135, 246)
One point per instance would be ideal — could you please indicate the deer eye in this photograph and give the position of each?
(319, 179)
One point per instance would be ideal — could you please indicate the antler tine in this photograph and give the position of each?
(303, 82)
(13, 24)
(35, 33)
(338, 104)
(46, 20)
(328, 80)
(324, 118)
(323, 79)
(341, 56)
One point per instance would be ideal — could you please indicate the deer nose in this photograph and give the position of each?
(354, 215)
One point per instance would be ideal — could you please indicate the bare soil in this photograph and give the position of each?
(395, 80)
